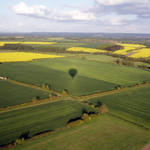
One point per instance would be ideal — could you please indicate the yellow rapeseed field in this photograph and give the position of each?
(23, 56)
(84, 49)
(2, 43)
(129, 48)
(144, 52)
(40, 43)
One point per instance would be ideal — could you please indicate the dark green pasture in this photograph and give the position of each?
(132, 105)
(102, 133)
(12, 94)
(38, 119)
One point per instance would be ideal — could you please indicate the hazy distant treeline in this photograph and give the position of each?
(146, 60)
(110, 47)
(16, 47)
(20, 47)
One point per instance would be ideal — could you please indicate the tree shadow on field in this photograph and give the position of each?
(99, 103)
(74, 119)
(43, 132)
(38, 97)
(24, 135)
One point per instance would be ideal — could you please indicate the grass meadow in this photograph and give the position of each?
(91, 76)
(100, 58)
(13, 94)
(38, 119)
(131, 105)
(104, 132)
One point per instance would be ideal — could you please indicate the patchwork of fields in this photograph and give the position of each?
(104, 132)
(38, 119)
(131, 105)
(91, 76)
(134, 50)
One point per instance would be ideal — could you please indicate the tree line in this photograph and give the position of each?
(110, 47)
(129, 59)
(16, 47)
(21, 47)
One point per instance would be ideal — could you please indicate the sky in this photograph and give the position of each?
(91, 16)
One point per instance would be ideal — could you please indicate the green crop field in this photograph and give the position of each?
(132, 105)
(13, 94)
(100, 58)
(38, 119)
(91, 76)
(102, 133)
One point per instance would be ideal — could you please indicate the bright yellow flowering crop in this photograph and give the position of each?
(40, 43)
(23, 56)
(46, 43)
(2, 43)
(84, 49)
(129, 48)
(145, 52)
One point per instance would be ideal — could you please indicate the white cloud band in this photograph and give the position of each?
(42, 12)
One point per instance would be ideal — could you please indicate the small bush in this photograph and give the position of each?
(93, 116)
(19, 141)
(43, 86)
(103, 109)
(86, 117)
(97, 108)
(92, 105)
(118, 88)
(34, 99)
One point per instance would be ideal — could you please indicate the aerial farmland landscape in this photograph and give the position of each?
(77, 78)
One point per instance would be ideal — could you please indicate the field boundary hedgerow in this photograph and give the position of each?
(60, 96)
(56, 96)
(34, 86)
(118, 89)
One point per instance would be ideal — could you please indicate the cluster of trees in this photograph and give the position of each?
(110, 47)
(125, 62)
(49, 49)
(46, 86)
(143, 66)
(39, 49)
(16, 47)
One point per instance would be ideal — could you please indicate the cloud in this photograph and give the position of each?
(23, 9)
(136, 7)
(20, 24)
(119, 2)
(1, 26)
(40, 11)
(117, 20)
